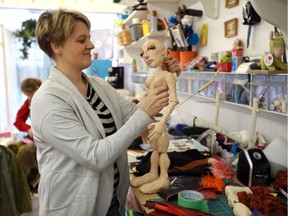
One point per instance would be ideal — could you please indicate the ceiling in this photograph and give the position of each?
(102, 6)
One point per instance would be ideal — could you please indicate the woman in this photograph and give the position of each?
(28, 86)
(26, 152)
(82, 127)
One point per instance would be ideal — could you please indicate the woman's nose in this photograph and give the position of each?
(90, 45)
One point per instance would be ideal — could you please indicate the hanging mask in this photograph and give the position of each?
(250, 17)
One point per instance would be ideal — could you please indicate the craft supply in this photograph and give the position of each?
(203, 34)
(193, 200)
(153, 21)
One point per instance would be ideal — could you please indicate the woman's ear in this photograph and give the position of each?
(56, 48)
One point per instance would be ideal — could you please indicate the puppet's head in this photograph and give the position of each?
(153, 53)
(276, 59)
(277, 45)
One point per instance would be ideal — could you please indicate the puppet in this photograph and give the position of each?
(276, 58)
(153, 53)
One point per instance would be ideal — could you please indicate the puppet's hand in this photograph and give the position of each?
(155, 131)
(172, 65)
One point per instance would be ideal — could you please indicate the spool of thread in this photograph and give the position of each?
(193, 199)
(153, 21)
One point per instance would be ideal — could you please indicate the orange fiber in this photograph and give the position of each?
(212, 182)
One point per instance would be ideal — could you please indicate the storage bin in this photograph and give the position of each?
(136, 31)
(194, 82)
(220, 84)
(182, 83)
(124, 37)
(225, 66)
(277, 93)
(241, 89)
(259, 86)
(175, 54)
(204, 78)
(186, 57)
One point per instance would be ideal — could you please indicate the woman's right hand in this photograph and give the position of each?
(154, 101)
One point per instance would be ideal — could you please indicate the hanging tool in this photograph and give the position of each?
(250, 17)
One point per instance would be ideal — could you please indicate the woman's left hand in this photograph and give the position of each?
(172, 64)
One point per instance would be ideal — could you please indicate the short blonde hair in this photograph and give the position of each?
(55, 26)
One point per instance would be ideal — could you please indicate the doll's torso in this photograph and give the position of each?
(156, 80)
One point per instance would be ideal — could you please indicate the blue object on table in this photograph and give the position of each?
(99, 68)
(234, 149)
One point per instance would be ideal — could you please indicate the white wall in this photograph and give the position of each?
(100, 6)
(259, 39)
(231, 118)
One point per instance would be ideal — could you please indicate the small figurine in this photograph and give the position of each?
(237, 48)
(274, 59)
(153, 53)
(237, 44)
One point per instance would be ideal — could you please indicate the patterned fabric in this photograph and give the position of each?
(109, 126)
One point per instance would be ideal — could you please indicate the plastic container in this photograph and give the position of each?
(136, 31)
(259, 86)
(175, 54)
(277, 97)
(145, 27)
(186, 57)
(225, 66)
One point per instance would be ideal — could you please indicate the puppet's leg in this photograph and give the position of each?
(164, 162)
(153, 173)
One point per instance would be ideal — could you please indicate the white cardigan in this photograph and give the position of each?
(75, 158)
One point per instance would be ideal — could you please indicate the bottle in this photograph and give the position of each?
(145, 27)
(134, 65)
(153, 21)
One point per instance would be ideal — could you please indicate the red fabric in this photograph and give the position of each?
(281, 179)
(22, 116)
(263, 201)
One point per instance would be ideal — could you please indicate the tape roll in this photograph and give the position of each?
(193, 199)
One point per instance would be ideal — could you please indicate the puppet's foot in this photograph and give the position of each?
(155, 186)
(147, 178)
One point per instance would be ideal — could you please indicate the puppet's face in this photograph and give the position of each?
(153, 53)
(277, 46)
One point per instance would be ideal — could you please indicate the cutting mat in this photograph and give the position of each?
(220, 207)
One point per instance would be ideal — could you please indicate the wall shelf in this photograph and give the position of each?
(160, 35)
(142, 14)
(238, 89)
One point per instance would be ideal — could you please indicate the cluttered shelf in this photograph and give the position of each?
(236, 88)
